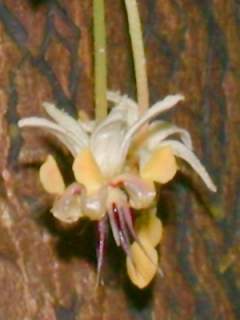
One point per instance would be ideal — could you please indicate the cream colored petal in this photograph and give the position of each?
(60, 133)
(87, 172)
(161, 106)
(141, 193)
(50, 176)
(72, 126)
(160, 167)
(149, 226)
(94, 205)
(105, 144)
(125, 107)
(108, 135)
(184, 153)
(141, 270)
(67, 207)
(160, 130)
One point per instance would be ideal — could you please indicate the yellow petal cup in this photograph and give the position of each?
(161, 167)
(50, 176)
(87, 172)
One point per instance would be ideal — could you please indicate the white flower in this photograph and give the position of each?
(115, 168)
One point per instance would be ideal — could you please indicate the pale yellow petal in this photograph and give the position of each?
(94, 205)
(67, 207)
(142, 267)
(161, 167)
(149, 226)
(50, 176)
(87, 172)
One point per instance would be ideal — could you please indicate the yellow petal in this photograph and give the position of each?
(161, 167)
(141, 268)
(94, 205)
(87, 172)
(67, 207)
(50, 176)
(149, 227)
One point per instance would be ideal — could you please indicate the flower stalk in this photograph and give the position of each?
(100, 61)
(136, 36)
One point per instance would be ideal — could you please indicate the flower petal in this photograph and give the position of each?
(149, 226)
(50, 176)
(87, 172)
(181, 151)
(160, 130)
(94, 205)
(72, 126)
(67, 208)
(60, 133)
(161, 165)
(141, 193)
(141, 270)
(105, 144)
(125, 107)
(85, 121)
(108, 135)
(161, 106)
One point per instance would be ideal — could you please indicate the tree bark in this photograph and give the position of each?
(49, 273)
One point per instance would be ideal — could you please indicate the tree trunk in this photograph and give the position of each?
(49, 273)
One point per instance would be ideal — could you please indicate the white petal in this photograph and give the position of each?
(72, 126)
(126, 106)
(88, 126)
(160, 130)
(181, 151)
(105, 143)
(55, 130)
(108, 135)
(159, 107)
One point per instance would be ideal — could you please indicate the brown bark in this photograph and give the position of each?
(192, 47)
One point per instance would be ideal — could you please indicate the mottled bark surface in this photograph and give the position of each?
(193, 47)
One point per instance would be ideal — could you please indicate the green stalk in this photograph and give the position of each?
(136, 36)
(100, 61)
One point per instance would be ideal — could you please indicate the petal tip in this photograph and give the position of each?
(213, 188)
(21, 123)
(180, 97)
(48, 106)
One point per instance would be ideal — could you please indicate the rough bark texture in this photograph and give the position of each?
(193, 47)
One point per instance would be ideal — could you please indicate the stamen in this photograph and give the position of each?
(124, 244)
(123, 225)
(114, 227)
(102, 232)
(116, 215)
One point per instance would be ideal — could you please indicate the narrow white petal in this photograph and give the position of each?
(125, 107)
(54, 129)
(88, 126)
(128, 107)
(160, 130)
(181, 151)
(68, 123)
(159, 107)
